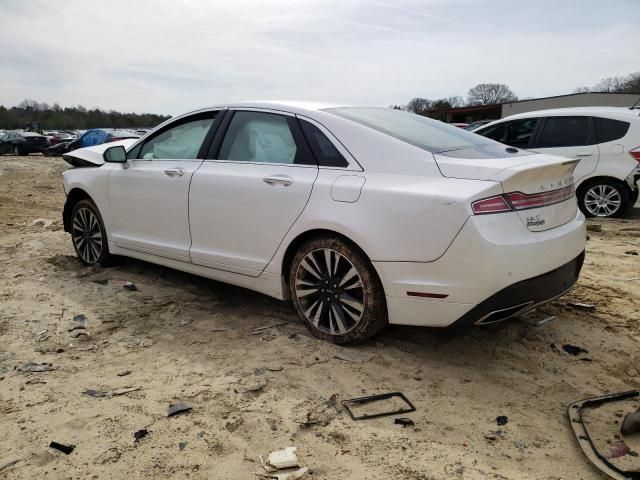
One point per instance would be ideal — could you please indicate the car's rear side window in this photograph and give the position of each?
(327, 155)
(609, 130)
(564, 132)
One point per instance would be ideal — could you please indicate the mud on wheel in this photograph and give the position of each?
(336, 291)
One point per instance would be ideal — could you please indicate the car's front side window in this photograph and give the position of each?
(259, 137)
(178, 142)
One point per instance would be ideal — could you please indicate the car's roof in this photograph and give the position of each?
(582, 111)
(285, 105)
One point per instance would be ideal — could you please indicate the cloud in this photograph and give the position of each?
(171, 56)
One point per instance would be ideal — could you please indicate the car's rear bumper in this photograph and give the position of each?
(524, 296)
(494, 263)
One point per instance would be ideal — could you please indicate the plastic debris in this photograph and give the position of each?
(35, 367)
(630, 424)
(404, 421)
(573, 350)
(66, 449)
(618, 449)
(502, 420)
(140, 434)
(583, 306)
(177, 408)
(95, 393)
(283, 465)
(79, 322)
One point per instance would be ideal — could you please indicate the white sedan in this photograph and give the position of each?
(361, 216)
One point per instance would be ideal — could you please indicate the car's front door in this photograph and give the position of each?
(149, 195)
(244, 199)
(571, 137)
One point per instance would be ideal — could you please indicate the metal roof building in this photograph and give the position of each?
(493, 112)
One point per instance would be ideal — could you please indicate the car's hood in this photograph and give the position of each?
(92, 156)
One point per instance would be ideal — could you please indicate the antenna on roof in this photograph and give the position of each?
(635, 105)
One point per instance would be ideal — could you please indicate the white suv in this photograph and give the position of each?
(605, 139)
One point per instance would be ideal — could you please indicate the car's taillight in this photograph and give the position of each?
(495, 204)
(521, 201)
(635, 153)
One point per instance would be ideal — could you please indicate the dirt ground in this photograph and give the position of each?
(188, 339)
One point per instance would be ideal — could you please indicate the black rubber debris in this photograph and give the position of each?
(66, 449)
(404, 421)
(182, 445)
(178, 408)
(502, 420)
(123, 373)
(573, 350)
(79, 322)
(631, 252)
(630, 424)
(140, 434)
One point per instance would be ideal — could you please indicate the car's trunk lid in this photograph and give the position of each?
(540, 187)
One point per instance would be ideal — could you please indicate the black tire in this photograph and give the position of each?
(604, 198)
(345, 301)
(88, 234)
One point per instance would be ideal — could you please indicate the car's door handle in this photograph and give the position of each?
(174, 172)
(584, 154)
(283, 180)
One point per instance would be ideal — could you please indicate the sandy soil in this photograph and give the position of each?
(187, 339)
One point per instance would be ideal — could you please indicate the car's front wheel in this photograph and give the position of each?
(88, 234)
(603, 198)
(336, 291)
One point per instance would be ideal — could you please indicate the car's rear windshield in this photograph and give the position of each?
(422, 132)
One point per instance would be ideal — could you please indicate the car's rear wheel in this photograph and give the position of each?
(88, 234)
(336, 291)
(603, 198)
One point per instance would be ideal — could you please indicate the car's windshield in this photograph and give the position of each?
(426, 133)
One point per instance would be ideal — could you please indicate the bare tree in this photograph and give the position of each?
(490, 94)
(419, 105)
(582, 90)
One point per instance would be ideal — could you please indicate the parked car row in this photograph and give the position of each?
(54, 143)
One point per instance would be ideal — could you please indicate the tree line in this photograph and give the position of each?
(54, 117)
(495, 93)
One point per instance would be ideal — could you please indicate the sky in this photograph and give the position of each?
(171, 56)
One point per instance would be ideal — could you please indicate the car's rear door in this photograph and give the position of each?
(149, 195)
(248, 194)
(572, 137)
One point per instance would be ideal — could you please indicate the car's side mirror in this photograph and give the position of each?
(116, 154)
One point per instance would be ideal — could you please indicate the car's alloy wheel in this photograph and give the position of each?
(87, 235)
(329, 290)
(602, 200)
(336, 291)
